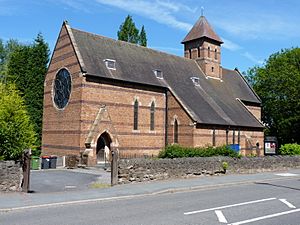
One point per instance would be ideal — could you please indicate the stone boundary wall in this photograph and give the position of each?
(10, 176)
(138, 170)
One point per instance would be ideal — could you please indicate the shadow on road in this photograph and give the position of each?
(278, 185)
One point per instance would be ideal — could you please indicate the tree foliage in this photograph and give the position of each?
(26, 68)
(289, 149)
(143, 37)
(2, 53)
(128, 32)
(16, 130)
(5, 51)
(278, 85)
(177, 151)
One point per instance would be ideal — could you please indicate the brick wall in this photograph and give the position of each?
(185, 124)
(255, 110)
(204, 53)
(61, 128)
(120, 106)
(248, 139)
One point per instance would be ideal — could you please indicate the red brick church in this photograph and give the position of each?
(103, 92)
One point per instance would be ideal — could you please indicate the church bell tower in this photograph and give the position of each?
(204, 45)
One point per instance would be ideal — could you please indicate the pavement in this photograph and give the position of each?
(61, 180)
(17, 201)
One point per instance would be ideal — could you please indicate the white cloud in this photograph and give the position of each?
(77, 5)
(252, 58)
(161, 11)
(176, 6)
(158, 11)
(230, 45)
(260, 26)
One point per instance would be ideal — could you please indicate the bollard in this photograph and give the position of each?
(114, 168)
(26, 170)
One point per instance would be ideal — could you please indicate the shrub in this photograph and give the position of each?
(177, 151)
(36, 151)
(16, 131)
(225, 165)
(289, 149)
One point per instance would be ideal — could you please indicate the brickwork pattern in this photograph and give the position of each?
(185, 124)
(120, 104)
(61, 128)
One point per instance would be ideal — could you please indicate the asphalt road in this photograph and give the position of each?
(274, 202)
(46, 181)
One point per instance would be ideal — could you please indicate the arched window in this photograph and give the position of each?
(208, 52)
(152, 110)
(216, 54)
(135, 115)
(175, 131)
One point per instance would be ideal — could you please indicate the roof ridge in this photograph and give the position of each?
(132, 44)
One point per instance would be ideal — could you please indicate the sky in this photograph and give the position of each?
(252, 30)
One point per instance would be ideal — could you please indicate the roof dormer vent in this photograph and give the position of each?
(196, 81)
(158, 74)
(110, 64)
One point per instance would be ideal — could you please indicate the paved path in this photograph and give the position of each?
(11, 201)
(58, 180)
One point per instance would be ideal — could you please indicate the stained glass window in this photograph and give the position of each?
(62, 88)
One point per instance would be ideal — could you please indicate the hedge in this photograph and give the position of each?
(177, 151)
(290, 149)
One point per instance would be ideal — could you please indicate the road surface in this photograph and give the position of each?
(273, 202)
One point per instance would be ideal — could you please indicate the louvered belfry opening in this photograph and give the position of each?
(204, 45)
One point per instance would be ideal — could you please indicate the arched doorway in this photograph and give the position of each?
(103, 140)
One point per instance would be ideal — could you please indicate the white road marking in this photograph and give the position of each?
(265, 217)
(287, 174)
(220, 216)
(287, 203)
(74, 202)
(70, 186)
(229, 206)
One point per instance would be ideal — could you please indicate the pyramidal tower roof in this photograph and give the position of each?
(202, 29)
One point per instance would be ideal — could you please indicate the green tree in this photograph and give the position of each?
(277, 84)
(2, 60)
(16, 130)
(26, 68)
(128, 31)
(143, 37)
(2, 52)
(5, 51)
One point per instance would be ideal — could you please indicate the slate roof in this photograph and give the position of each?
(202, 29)
(213, 102)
